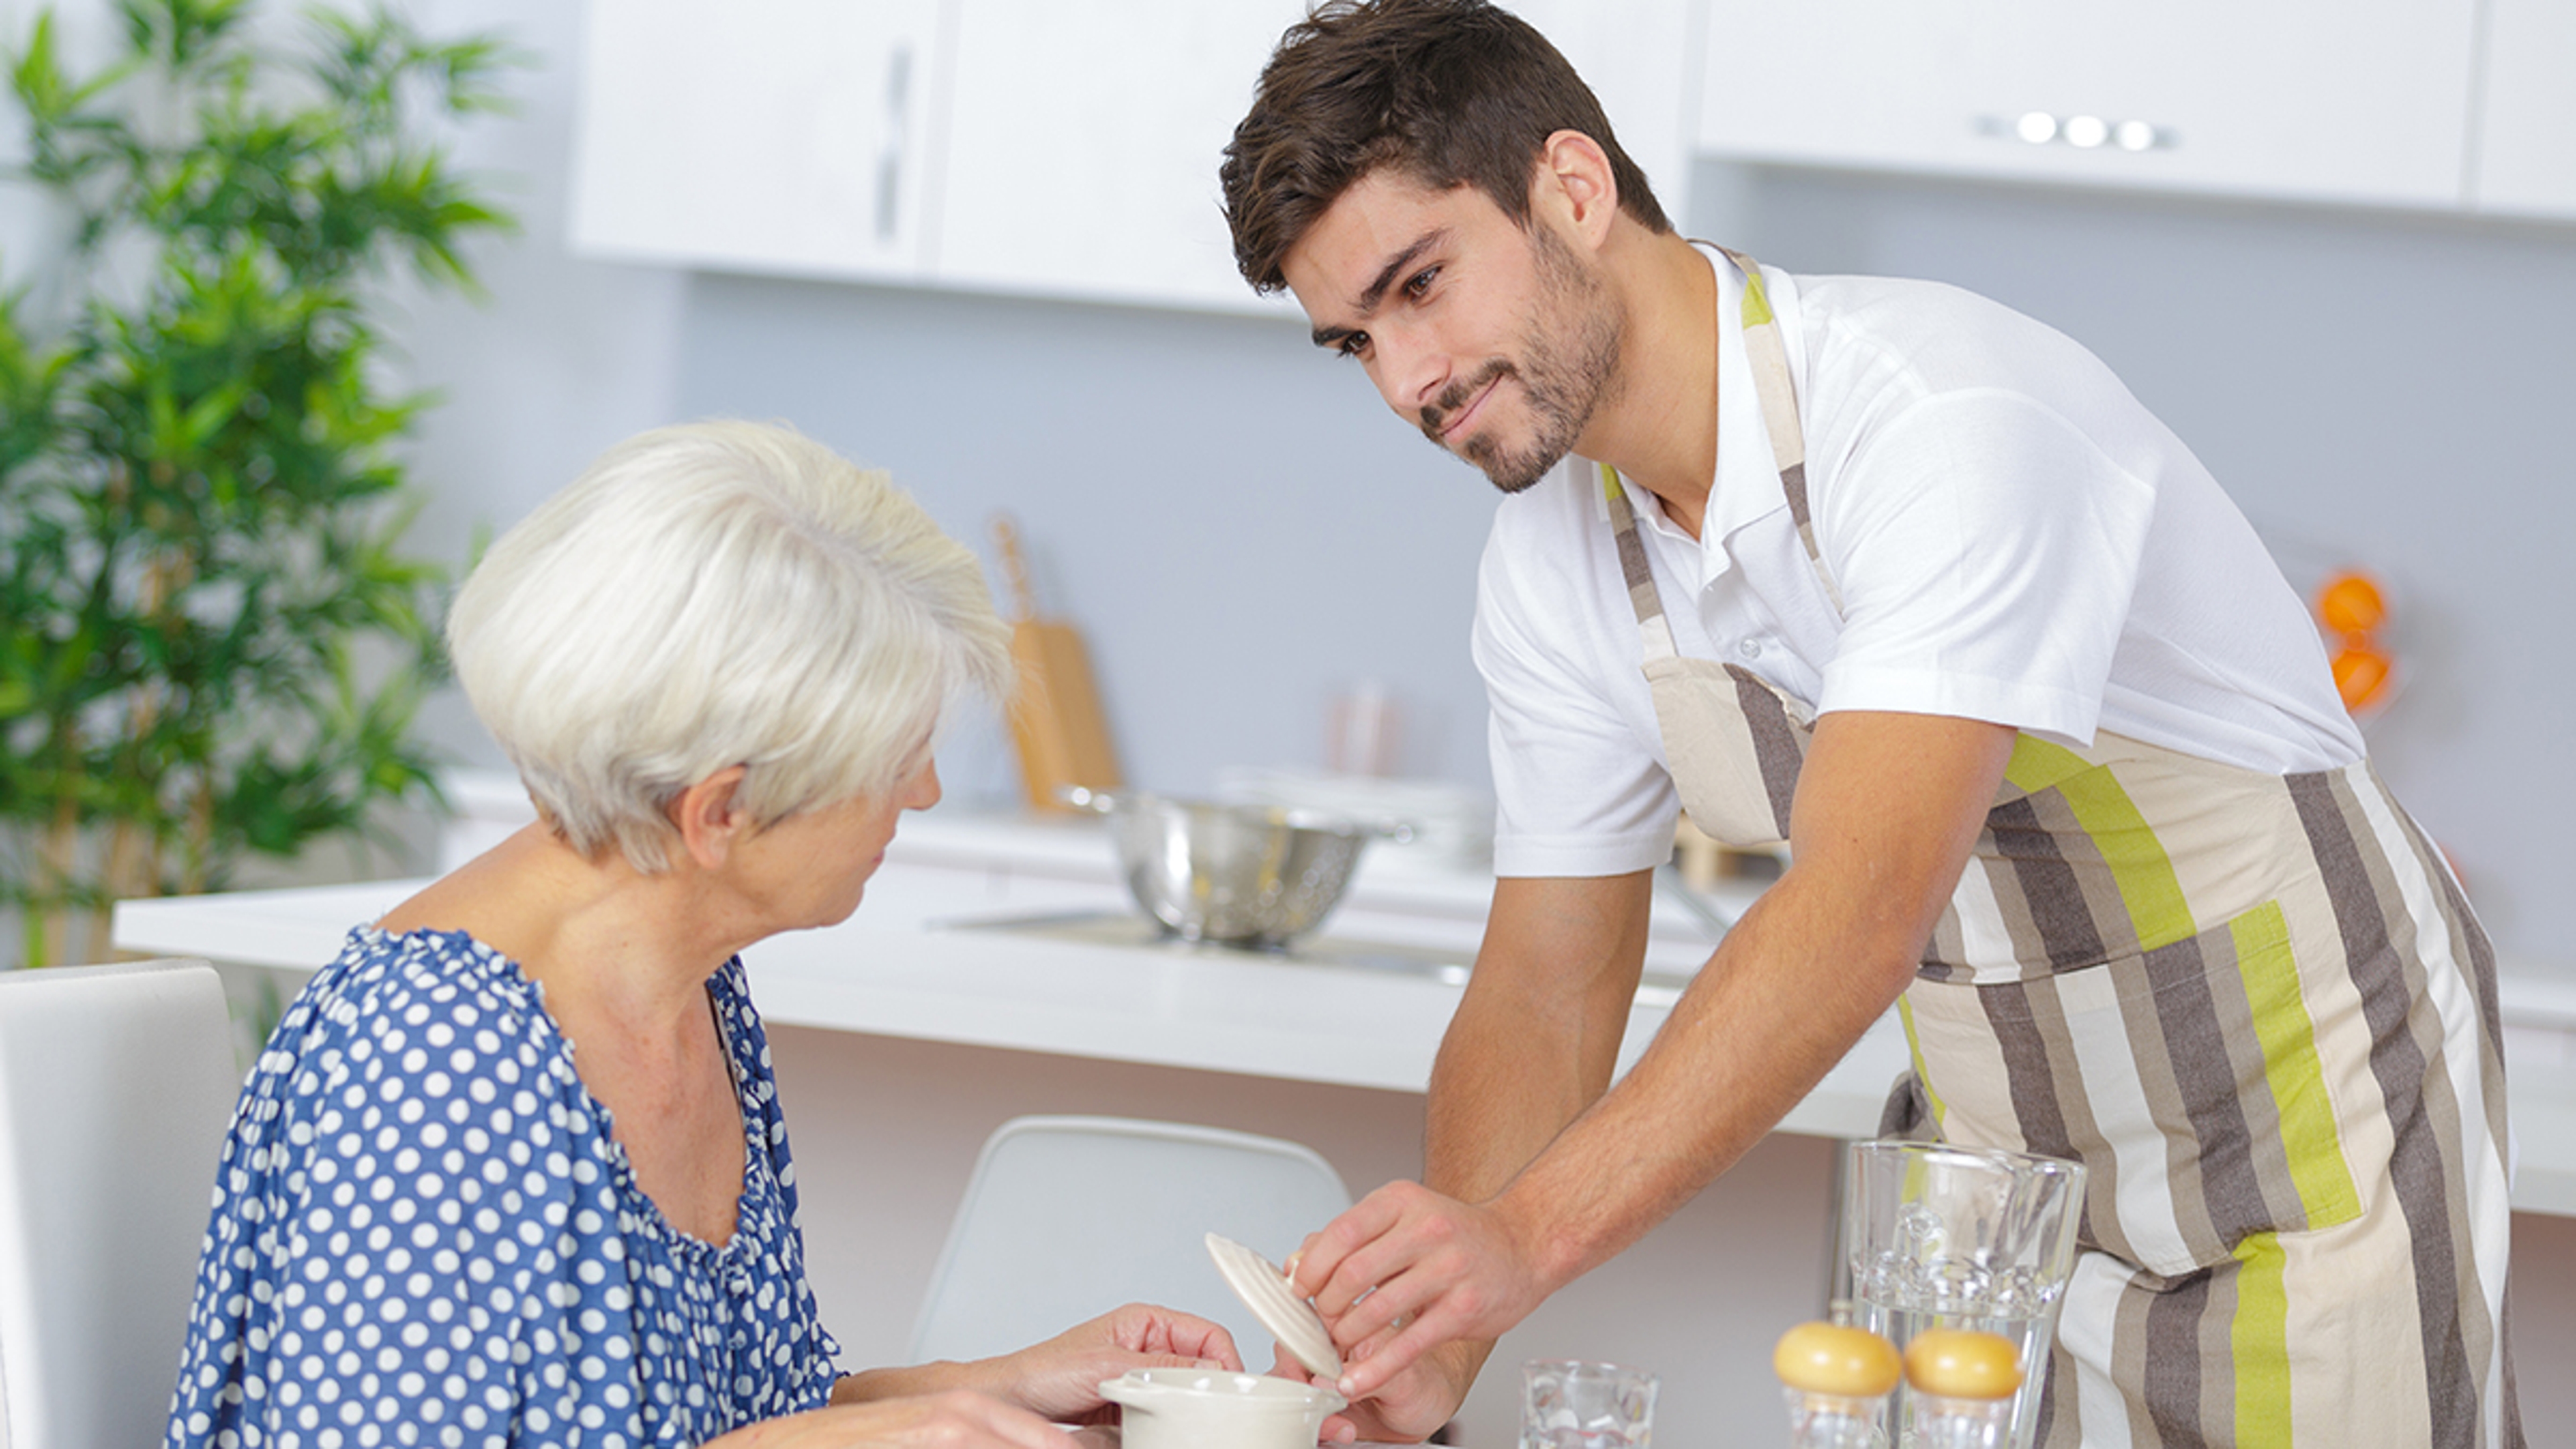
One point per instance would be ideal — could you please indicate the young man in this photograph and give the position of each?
(1888, 571)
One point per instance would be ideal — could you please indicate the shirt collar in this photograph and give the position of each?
(1748, 476)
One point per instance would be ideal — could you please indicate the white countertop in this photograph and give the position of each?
(923, 959)
(919, 960)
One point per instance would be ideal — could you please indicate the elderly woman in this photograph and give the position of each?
(512, 1169)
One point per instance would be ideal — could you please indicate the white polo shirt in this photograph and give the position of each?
(2016, 540)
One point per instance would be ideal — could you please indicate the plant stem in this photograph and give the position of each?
(127, 872)
(31, 934)
(125, 845)
(201, 834)
(60, 850)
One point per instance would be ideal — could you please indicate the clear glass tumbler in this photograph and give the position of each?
(1941, 1236)
(1567, 1404)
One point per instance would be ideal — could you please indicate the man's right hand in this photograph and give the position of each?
(1406, 1270)
(1406, 1408)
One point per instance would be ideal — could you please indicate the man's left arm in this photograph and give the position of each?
(1888, 808)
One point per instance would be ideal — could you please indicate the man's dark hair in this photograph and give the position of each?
(1447, 92)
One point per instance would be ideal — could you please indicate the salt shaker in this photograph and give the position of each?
(1836, 1377)
(1963, 1383)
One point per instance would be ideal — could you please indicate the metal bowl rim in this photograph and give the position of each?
(1294, 817)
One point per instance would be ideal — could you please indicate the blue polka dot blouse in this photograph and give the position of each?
(423, 1233)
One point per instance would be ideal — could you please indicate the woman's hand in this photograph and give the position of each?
(1060, 1379)
(953, 1420)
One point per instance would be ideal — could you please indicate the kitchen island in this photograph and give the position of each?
(1015, 933)
(996, 968)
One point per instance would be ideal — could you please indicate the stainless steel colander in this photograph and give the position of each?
(1244, 875)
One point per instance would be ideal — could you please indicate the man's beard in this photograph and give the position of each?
(1565, 384)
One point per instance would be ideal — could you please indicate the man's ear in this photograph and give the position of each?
(1574, 179)
(709, 820)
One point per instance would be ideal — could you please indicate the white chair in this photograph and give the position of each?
(1069, 1217)
(116, 1086)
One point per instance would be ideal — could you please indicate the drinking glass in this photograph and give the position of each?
(1567, 1404)
(1938, 1235)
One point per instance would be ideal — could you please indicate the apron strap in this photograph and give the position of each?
(1653, 629)
(1769, 357)
(1777, 396)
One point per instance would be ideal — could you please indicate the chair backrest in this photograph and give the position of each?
(116, 1086)
(1069, 1217)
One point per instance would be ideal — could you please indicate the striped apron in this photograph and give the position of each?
(2256, 1007)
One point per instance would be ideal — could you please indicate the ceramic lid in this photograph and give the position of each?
(1266, 1291)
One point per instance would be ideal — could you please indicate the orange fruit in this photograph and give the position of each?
(2361, 673)
(2351, 604)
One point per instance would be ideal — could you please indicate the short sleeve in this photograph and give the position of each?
(1987, 550)
(411, 1243)
(1579, 783)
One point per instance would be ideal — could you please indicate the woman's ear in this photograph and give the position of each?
(709, 819)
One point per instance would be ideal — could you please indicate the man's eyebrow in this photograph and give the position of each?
(1377, 289)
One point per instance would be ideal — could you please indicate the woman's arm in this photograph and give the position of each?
(1061, 1377)
(953, 1420)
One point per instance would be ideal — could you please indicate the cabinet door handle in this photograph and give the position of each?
(2083, 132)
(898, 91)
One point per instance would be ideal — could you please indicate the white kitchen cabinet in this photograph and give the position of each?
(2526, 131)
(1083, 147)
(791, 136)
(1063, 148)
(2356, 101)
(1635, 56)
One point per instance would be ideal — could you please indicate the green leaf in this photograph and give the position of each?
(209, 413)
(37, 78)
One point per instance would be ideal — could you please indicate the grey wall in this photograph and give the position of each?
(1231, 517)
(1240, 529)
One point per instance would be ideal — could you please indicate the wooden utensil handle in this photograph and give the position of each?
(1015, 566)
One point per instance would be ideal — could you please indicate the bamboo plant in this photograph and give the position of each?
(215, 644)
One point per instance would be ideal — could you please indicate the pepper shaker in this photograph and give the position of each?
(1836, 1377)
(1963, 1383)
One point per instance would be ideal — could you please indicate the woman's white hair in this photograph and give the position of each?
(721, 593)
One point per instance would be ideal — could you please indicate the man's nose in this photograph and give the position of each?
(1411, 372)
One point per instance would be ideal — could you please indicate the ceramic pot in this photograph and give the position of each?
(1178, 1408)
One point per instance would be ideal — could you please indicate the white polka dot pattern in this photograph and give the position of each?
(424, 1234)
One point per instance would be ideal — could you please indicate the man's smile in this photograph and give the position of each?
(1446, 421)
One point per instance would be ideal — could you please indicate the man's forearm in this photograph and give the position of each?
(1755, 1032)
(1537, 1034)
(1500, 1092)
(1526, 1052)
(1888, 807)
